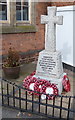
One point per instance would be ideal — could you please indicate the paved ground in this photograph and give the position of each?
(26, 69)
(11, 113)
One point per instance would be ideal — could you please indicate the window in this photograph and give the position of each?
(22, 11)
(3, 10)
(17, 16)
(8, 10)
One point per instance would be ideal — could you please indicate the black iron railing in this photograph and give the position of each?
(17, 97)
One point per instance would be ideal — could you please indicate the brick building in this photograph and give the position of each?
(21, 27)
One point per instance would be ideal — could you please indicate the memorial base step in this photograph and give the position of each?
(56, 81)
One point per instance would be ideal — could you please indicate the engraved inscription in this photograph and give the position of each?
(47, 64)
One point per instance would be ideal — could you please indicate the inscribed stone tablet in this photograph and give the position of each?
(49, 64)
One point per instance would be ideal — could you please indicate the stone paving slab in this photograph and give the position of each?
(12, 113)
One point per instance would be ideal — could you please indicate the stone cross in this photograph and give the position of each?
(51, 20)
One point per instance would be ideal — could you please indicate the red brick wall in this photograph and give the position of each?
(24, 42)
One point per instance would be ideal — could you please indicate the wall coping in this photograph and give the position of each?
(17, 29)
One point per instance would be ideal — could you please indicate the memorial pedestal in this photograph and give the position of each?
(49, 64)
(49, 67)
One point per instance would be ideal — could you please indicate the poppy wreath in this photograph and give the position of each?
(66, 83)
(38, 85)
(54, 89)
(27, 81)
(33, 73)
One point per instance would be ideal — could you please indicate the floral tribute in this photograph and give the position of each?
(29, 80)
(44, 87)
(66, 83)
(50, 89)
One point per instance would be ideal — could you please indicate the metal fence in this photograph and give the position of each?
(19, 98)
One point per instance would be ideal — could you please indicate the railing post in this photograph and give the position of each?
(39, 102)
(8, 93)
(60, 106)
(13, 96)
(26, 100)
(53, 107)
(68, 107)
(32, 102)
(19, 98)
(46, 106)
(2, 91)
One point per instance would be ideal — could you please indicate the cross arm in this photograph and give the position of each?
(44, 19)
(58, 20)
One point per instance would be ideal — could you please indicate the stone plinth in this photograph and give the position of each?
(56, 81)
(49, 64)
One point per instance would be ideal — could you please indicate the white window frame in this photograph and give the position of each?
(26, 21)
(5, 21)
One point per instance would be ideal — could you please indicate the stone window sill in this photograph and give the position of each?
(17, 29)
